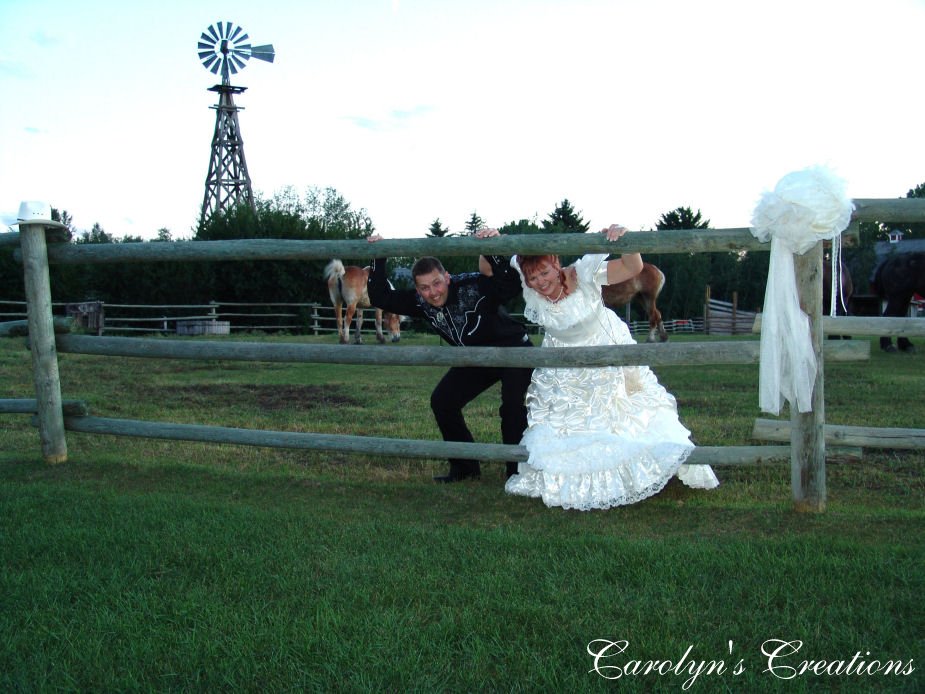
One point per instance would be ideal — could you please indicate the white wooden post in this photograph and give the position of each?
(42, 340)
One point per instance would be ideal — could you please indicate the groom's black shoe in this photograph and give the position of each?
(511, 470)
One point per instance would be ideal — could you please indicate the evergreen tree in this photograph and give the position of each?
(474, 224)
(915, 229)
(564, 220)
(686, 274)
(436, 229)
(524, 226)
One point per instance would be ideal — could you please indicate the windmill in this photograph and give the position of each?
(224, 49)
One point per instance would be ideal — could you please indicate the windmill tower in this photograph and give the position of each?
(225, 49)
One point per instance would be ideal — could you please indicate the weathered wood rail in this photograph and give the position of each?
(663, 354)
(373, 445)
(806, 451)
(840, 435)
(865, 325)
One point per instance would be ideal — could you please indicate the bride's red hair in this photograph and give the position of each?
(530, 263)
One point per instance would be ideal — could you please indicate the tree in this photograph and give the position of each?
(474, 224)
(436, 229)
(64, 218)
(96, 235)
(682, 218)
(686, 274)
(319, 214)
(564, 220)
(917, 229)
(523, 226)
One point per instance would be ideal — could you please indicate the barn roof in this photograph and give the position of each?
(885, 248)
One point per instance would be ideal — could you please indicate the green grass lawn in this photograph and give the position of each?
(156, 565)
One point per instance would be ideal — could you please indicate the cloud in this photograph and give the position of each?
(44, 40)
(15, 69)
(396, 119)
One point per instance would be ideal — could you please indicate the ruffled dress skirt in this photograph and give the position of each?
(593, 447)
(605, 436)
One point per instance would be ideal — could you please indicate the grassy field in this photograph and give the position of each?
(144, 565)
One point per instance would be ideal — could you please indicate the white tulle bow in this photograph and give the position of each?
(804, 208)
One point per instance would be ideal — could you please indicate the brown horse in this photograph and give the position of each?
(347, 287)
(645, 288)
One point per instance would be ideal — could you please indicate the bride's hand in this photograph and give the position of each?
(487, 233)
(614, 231)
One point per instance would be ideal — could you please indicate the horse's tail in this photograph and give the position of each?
(334, 269)
(661, 280)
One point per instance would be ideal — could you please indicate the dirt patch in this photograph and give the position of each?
(268, 397)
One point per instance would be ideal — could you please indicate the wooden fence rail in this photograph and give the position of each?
(866, 325)
(662, 354)
(311, 318)
(379, 446)
(807, 442)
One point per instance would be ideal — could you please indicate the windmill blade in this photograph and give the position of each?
(209, 60)
(236, 63)
(226, 48)
(265, 53)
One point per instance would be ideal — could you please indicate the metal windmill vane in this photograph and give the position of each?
(224, 50)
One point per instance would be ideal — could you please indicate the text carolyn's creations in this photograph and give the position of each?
(780, 658)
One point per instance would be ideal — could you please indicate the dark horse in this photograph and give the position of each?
(645, 288)
(895, 280)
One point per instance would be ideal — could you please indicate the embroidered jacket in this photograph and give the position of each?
(473, 314)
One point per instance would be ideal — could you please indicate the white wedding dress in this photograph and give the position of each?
(604, 436)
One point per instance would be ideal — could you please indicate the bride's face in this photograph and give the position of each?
(544, 279)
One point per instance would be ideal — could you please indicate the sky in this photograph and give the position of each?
(417, 110)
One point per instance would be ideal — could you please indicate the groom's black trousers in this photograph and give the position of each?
(459, 387)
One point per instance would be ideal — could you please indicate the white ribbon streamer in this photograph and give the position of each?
(804, 208)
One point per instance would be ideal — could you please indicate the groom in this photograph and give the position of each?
(465, 310)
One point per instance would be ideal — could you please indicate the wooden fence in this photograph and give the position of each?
(223, 317)
(806, 451)
(725, 317)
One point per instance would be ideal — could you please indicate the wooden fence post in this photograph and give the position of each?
(735, 313)
(42, 340)
(807, 430)
(706, 311)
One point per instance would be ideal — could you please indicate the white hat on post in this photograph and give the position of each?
(32, 212)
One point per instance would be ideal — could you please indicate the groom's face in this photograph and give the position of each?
(433, 287)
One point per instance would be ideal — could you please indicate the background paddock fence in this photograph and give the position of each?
(212, 318)
(226, 318)
(725, 317)
(806, 451)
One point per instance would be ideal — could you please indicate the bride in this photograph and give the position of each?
(596, 437)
